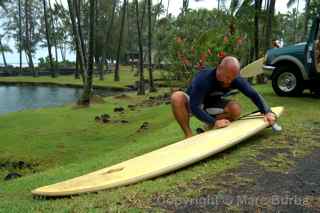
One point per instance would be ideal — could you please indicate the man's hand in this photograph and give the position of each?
(270, 118)
(221, 123)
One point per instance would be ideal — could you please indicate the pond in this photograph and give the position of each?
(16, 98)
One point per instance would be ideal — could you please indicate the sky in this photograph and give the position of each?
(174, 9)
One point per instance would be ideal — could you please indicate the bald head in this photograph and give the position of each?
(228, 70)
(231, 65)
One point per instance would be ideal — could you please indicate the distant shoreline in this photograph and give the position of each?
(18, 65)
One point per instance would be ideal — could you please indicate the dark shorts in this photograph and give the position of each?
(216, 107)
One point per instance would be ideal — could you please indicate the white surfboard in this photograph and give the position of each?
(161, 161)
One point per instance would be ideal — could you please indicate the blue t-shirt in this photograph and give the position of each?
(205, 85)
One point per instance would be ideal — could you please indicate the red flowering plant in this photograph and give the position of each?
(207, 51)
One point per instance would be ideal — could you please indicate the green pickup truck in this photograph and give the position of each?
(297, 67)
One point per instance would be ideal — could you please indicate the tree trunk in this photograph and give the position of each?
(296, 23)
(143, 13)
(116, 71)
(20, 38)
(168, 5)
(152, 88)
(100, 67)
(256, 25)
(109, 30)
(185, 6)
(268, 34)
(141, 89)
(306, 19)
(3, 55)
(76, 74)
(45, 12)
(28, 38)
(258, 5)
(54, 36)
(77, 4)
(87, 93)
(63, 52)
(76, 40)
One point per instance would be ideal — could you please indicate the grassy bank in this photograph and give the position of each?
(127, 77)
(65, 142)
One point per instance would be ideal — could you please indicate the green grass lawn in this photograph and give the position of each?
(127, 77)
(65, 142)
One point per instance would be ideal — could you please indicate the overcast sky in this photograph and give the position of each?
(174, 8)
(175, 5)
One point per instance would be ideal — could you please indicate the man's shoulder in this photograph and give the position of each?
(202, 79)
(204, 72)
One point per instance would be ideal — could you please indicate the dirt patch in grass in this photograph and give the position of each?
(14, 169)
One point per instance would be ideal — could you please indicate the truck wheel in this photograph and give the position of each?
(287, 82)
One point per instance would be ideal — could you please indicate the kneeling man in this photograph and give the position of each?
(204, 98)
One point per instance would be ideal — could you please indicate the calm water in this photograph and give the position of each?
(16, 98)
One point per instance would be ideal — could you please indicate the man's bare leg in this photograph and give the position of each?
(232, 112)
(180, 109)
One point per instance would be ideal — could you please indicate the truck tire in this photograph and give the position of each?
(287, 81)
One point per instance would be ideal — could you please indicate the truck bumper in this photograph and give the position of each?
(268, 70)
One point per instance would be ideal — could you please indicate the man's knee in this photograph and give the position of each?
(233, 109)
(178, 98)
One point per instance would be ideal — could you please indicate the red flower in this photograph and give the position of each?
(221, 55)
